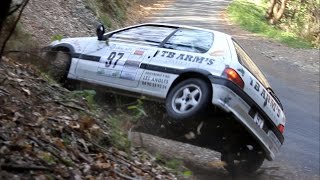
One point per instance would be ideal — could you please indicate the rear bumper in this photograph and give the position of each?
(231, 98)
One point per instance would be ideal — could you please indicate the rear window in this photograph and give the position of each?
(246, 61)
(191, 40)
(148, 35)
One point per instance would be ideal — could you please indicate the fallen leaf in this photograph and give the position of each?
(74, 125)
(58, 142)
(17, 115)
(36, 114)
(65, 118)
(102, 165)
(26, 91)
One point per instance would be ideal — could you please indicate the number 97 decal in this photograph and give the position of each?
(112, 57)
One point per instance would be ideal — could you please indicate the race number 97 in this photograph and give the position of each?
(114, 57)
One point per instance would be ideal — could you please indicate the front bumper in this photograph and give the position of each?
(232, 99)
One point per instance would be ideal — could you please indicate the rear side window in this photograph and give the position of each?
(246, 61)
(191, 40)
(147, 35)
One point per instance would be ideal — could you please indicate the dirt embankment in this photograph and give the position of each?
(49, 132)
(74, 18)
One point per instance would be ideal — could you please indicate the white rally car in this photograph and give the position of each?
(188, 68)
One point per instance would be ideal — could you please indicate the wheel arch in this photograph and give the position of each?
(192, 73)
(65, 47)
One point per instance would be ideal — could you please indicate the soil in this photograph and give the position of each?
(44, 19)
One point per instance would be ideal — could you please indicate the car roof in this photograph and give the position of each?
(216, 33)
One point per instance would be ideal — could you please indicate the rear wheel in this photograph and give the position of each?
(188, 99)
(246, 160)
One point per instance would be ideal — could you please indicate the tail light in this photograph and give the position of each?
(281, 128)
(233, 76)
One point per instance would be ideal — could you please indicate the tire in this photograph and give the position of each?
(188, 99)
(248, 161)
(59, 66)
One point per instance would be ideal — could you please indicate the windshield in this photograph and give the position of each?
(150, 35)
(191, 40)
(246, 61)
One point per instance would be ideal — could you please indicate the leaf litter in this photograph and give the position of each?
(44, 135)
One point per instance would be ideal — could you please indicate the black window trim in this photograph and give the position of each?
(107, 36)
(179, 28)
(168, 37)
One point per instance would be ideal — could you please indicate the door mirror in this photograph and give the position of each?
(100, 32)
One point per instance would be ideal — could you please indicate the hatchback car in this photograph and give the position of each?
(188, 69)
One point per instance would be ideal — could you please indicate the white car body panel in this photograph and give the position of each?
(138, 70)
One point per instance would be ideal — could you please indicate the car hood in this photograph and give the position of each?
(76, 45)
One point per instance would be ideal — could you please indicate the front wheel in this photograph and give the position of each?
(59, 66)
(188, 99)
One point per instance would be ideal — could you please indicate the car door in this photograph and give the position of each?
(124, 53)
(185, 49)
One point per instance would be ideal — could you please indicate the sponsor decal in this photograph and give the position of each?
(268, 100)
(108, 73)
(138, 52)
(240, 70)
(155, 80)
(123, 49)
(186, 57)
(112, 60)
(131, 63)
(128, 75)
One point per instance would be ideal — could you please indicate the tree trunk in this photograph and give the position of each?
(280, 12)
(4, 15)
(276, 10)
(4, 10)
(270, 9)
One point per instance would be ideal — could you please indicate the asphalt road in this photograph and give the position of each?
(297, 87)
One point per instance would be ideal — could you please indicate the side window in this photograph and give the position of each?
(190, 40)
(246, 61)
(146, 35)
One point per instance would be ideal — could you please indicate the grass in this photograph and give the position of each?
(251, 17)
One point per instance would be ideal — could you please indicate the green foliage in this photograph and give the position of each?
(57, 37)
(187, 174)
(106, 21)
(88, 95)
(138, 110)
(117, 8)
(110, 12)
(117, 137)
(46, 77)
(175, 165)
(251, 17)
(303, 19)
(48, 158)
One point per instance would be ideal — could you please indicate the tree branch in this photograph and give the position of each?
(14, 27)
(14, 9)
